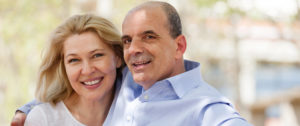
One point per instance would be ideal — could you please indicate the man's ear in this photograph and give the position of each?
(181, 46)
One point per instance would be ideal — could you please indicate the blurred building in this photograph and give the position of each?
(254, 62)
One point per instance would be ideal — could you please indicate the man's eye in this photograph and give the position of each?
(98, 55)
(73, 60)
(149, 37)
(126, 41)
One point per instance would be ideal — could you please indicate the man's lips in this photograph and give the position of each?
(140, 61)
(140, 65)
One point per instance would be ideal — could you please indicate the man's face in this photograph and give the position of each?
(149, 50)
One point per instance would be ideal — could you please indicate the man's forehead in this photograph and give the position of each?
(139, 31)
(145, 13)
(136, 16)
(143, 20)
(146, 6)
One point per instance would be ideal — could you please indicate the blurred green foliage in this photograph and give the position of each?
(207, 3)
(24, 28)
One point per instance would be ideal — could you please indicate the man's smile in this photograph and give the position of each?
(140, 65)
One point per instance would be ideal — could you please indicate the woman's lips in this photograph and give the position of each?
(92, 84)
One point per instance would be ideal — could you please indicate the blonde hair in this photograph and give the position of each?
(53, 84)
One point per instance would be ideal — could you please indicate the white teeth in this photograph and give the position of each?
(141, 62)
(91, 82)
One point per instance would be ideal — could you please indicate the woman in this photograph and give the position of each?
(78, 73)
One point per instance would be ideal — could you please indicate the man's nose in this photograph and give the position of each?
(136, 47)
(87, 68)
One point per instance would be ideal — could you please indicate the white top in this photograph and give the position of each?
(47, 115)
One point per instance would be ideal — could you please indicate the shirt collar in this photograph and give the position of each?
(161, 90)
(188, 80)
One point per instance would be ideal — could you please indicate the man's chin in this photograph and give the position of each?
(142, 80)
(139, 79)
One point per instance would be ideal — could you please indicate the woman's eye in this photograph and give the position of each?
(98, 55)
(73, 60)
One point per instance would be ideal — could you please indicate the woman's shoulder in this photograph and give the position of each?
(45, 113)
(47, 108)
(38, 115)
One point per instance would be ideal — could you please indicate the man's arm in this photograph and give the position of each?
(222, 114)
(18, 119)
(20, 115)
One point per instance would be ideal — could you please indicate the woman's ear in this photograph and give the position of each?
(181, 46)
(119, 62)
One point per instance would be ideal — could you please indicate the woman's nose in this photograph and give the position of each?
(87, 68)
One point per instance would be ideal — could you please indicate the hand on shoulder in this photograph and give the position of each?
(18, 119)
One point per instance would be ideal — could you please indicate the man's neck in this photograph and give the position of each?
(179, 69)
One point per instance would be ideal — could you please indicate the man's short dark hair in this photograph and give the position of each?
(174, 22)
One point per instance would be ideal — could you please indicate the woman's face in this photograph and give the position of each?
(90, 65)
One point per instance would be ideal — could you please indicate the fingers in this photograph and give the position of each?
(18, 119)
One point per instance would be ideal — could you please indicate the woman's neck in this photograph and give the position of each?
(87, 111)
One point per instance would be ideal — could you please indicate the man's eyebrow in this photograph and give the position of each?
(150, 32)
(125, 36)
(143, 33)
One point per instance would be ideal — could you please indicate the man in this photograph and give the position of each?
(173, 92)
(169, 90)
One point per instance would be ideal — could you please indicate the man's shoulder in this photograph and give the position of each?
(211, 107)
(206, 93)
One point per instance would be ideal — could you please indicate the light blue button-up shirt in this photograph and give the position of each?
(182, 100)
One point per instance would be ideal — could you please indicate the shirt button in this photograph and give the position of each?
(128, 118)
(146, 97)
